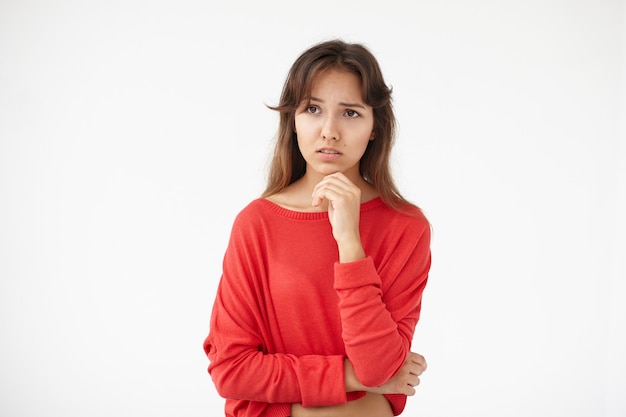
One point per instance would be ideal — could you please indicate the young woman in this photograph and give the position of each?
(323, 275)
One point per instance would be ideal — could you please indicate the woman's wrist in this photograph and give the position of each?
(350, 251)
(351, 381)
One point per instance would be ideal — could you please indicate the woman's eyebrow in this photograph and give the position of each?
(341, 103)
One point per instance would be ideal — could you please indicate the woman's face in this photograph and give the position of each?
(334, 126)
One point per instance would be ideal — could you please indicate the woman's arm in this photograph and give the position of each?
(244, 365)
(245, 359)
(377, 326)
(404, 382)
(379, 302)
(374, 404)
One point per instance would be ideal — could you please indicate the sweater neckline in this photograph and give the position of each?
(315, 215)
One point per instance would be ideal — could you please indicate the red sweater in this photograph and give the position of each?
(287, 313)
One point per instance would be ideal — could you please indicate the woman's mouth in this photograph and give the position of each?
(328, 154)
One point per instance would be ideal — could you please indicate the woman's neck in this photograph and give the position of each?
(297, 195)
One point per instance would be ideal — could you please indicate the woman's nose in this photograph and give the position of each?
(329, 129)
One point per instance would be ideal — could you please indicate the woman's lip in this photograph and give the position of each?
(328, 151)
(328, 156)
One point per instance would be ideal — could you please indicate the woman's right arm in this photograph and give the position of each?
(244, 365)
(243, 360)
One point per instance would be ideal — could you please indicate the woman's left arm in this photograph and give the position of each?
(377, 326)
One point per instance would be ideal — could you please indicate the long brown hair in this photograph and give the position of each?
(288, 164)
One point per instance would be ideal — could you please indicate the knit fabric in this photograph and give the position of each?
(287, 313)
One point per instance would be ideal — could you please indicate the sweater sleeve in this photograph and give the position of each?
(380, 306)
(243, 360)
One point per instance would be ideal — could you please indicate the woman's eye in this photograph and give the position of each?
(312, 109)
(351, 113)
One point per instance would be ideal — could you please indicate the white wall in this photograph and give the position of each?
(132, 132)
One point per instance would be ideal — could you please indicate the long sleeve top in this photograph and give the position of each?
(287, 313)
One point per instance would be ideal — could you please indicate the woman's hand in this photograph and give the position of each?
(404, 382)
(344, 207)
(374, 404)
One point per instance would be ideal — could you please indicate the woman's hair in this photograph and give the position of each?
(288, 164)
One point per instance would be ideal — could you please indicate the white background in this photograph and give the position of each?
(132, 132)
